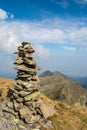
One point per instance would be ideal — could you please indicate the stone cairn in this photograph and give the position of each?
(25, 102)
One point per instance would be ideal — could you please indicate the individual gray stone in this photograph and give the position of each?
(25, 111)
(10, 105)
(19, 61)
(18, 87)
(31, 105)
(24, 68)
(8, 110)
(24, 93)
(13, 90)
(29, 62)
(29, 56)
(15, 95)
(35, 118)
(24, 76)
(20, 100)
(31, 119)
(26, 46)
(25, 43)
(32, 96)
(31, 90)
(17, 106)
(35, 78)
(47, 110)
(46, 124)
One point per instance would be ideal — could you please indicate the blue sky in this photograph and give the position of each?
(57, 30)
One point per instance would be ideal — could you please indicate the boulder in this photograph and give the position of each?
(47, 110)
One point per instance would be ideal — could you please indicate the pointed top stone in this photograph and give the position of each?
(25, 43)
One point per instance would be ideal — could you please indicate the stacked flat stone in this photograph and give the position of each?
(25, 102)
(26, 91)
(27, 78)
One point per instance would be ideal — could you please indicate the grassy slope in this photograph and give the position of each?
(4, 86)
(69, 117)
(60, 87)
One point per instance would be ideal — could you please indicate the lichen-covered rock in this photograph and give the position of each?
(24, 93)
(10, 105)
(32, 96)
(20, 100)
(17, 106)
(24, 111)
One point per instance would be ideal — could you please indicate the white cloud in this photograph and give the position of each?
(69, 48)
(79, 35)
(63, 3)
(84, 49)
(54, 31)
(81, 2)
(14, 33)
(3, 14)
(42, 52)
(12, 16)
(66, 33)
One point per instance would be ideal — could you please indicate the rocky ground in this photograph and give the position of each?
(10, 122)
(67, 117)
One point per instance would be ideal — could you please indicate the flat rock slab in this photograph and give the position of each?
(32, 96)
(30, 119)
(23, 93)
(9, 105)
(47, 110)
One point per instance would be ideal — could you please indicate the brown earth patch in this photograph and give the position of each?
(4, 87)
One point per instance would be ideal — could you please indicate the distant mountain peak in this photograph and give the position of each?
(46, 73)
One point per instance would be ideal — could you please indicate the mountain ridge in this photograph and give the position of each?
(60, 87)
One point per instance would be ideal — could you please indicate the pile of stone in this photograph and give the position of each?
(25, 102)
